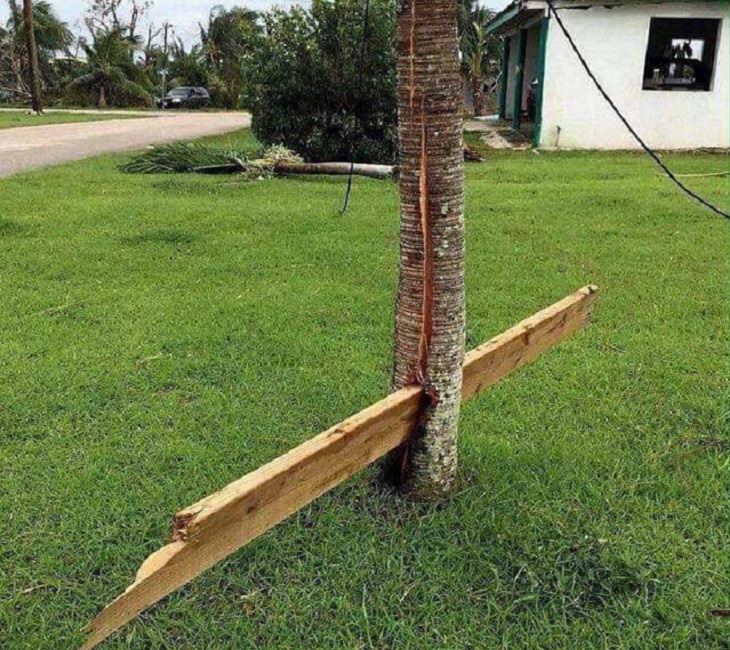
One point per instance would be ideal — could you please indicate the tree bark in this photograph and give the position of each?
(336, 169)
(35, 75)
(102, 98)
(429, 319)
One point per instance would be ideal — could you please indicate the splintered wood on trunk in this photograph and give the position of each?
(429, 319)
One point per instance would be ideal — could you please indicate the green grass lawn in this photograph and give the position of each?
(10, 119)
(163, 335)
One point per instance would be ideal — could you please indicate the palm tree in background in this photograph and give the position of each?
(187, 66)
(110, 74)
(34, 72)
(225, 42)
(479, 50)
(49, 36)
(475, 59)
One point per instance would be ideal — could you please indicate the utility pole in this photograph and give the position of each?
(165, 60)
(163, 74)
(35, 77)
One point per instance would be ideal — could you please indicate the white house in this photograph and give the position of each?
(666, 65)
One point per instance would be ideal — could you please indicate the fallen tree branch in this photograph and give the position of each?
(334, 169)
(216, 526)
(286, 167)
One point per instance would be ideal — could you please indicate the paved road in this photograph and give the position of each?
(90, 111)
(29, 147)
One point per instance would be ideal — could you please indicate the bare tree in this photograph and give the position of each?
(429, 321)
(124, 15)
(34, 70)
(12, 53)
(149, 46)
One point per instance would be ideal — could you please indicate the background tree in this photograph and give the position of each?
(429, 321)
(304, 87)
(475, 59)
(53, 41)
(110, 74)
(480, 52)
(155, 59)
(14, 54)
(226, 42)
(116, 15)
(152, 52)
(187, 65)
(34, 73)
(52, 36)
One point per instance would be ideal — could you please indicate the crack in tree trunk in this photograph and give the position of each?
(427, 311)
(429, 322)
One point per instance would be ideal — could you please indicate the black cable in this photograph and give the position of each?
(361, 72)
(631, 130)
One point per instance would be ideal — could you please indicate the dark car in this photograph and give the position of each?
(185, 97)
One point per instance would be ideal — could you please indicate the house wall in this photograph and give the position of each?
(613, 42)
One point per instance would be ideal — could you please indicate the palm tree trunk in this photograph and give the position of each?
(478, 94)
(102, 98)
(429, 319)
(35, 75)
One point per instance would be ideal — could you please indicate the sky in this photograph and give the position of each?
(184, 14)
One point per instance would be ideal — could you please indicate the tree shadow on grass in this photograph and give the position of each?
(170, 236)
(10, 228)
(210, 185)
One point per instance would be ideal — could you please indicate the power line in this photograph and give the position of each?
(631, 130)
(361, 72)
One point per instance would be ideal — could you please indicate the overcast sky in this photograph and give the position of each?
(183, 14)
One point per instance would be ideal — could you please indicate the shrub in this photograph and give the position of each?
(304, 88)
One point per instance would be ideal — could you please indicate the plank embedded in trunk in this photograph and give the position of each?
(223, 522)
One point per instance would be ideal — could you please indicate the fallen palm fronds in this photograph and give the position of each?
(192, 157)
(178, 157)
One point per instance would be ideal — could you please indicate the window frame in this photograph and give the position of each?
(711, 37)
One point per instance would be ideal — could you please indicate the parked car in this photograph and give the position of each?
(185, 97)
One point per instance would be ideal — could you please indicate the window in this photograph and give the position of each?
(680, 54)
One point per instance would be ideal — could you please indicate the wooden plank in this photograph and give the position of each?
(221, 523)
(494, 360)
(213, 528)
